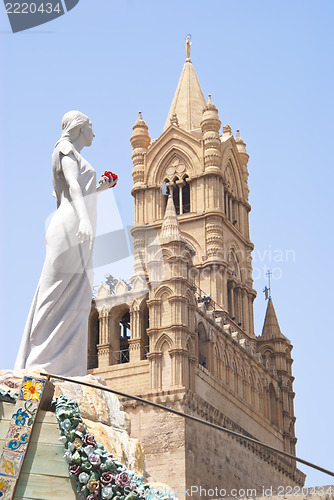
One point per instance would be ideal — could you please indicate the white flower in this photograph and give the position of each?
(83, 477)
(107, 492)
(68, 456)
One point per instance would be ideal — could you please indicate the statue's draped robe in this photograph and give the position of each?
(55, 335)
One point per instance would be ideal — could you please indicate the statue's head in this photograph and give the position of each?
(72, 124)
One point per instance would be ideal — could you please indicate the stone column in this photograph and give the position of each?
(155, 370)
(104, 347)
(245, 321)
(135, 342)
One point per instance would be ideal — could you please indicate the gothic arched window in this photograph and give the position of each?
(176, 197)
(202, 346)
(180, 190)
(124, 340)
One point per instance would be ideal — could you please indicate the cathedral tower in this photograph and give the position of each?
(183, 335)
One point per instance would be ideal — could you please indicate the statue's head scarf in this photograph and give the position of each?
(71, 124)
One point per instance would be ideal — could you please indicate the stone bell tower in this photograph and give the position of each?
(206, 175)
(183, 335)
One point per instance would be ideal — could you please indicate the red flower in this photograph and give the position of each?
(113, 178)
(90, 440)
(74, 470)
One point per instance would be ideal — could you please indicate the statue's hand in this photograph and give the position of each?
(108, 180)
(85, 232)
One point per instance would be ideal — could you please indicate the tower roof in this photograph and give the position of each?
(170, 229)
(271, 328)
(189, 101)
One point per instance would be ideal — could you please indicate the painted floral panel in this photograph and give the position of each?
(25, 413)
(10, 463)
(32, 389)
(7, 485)
(17, 438)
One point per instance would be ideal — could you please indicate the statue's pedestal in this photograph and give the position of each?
(44, 472)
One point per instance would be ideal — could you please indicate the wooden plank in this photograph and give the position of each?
(4, 426)
(45, 433)
(43, 487)
(46, 416)
(45, 458)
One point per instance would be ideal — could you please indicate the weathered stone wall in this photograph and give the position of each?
(163, 437)
(189, 456)
(215, 460)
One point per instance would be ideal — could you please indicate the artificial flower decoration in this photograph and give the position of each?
(90, 440)
(75, 470)
(110, 177)
(106, 478)
(77, 443)
(122, 479)
(93, 485)
(94, 459)
(97, 473)
(107, 492)
(32, 389)
(83, 477)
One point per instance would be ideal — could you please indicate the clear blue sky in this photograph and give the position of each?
(269, 68)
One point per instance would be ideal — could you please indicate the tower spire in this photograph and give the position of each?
(271, 328)
(170, 229)
(189, 101)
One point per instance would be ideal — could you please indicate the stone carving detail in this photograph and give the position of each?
(175, 168)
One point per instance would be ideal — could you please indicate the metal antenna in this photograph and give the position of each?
(267, 290)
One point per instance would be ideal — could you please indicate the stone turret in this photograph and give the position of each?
(172, 308)
(276, 352)
(210, 125)
(244, 157)
(140, 142)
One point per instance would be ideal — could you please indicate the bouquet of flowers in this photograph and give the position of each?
(109, 177)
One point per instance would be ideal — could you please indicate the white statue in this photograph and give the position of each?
(188, 47)
(55, 335)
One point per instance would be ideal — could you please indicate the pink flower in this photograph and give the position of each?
(122, 479)
(94, 459)
(106, 478)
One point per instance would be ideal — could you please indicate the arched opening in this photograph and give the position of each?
(93, 339)
(235, 377)
(125, 336)
(145, 327)
(185, 196)
(243, 390)
(176, 197)
(202, 346)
